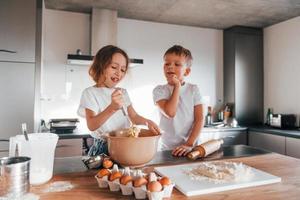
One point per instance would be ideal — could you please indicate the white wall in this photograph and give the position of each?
(149, 41)
(64, 32)
(282, 67)
(67, 31)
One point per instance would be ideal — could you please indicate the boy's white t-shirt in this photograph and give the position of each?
(177, 130)
(97, 99)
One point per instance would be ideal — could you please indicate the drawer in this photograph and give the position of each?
(68, 148)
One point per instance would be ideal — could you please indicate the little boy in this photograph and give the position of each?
(181, 109)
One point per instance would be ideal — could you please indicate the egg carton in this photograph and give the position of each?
(138, 192)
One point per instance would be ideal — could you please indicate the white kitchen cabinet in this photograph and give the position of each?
(68, 148)
(293, 147)
(18, 30)
(270, 142)
(230, 137)
(234, 137)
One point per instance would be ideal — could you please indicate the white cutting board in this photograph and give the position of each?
(191, 187)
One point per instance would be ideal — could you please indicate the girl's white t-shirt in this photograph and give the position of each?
(97, 99)
(177, 130)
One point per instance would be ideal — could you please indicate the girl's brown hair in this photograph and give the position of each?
(181, 51)
(102, 60)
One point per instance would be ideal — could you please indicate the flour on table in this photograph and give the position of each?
(28, 196)
(220, 172)
(59, 186)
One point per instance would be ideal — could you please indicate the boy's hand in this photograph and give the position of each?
(117, 100)
(173, 80)
(182, 150)
(153, 127)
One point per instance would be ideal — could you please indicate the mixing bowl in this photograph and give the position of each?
(133, 151)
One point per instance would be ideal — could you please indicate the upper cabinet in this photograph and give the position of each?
(17, 30)
(243, 73)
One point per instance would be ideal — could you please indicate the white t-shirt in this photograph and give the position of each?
(97, 99)
(177, 130)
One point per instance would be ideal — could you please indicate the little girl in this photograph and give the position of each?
(104, 105)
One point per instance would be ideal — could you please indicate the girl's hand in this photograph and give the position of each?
(182, 150)
(117, 100)
(152, 127)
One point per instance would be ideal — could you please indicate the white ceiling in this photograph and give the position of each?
(219, 14)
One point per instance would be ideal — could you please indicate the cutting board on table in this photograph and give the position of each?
(191, 187)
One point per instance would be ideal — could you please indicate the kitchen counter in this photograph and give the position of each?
(74, 164)
(78, 134)
(265, 129)
(282, 132)
(224, 129)
(287, 168)
(233, 151)
(75, 135)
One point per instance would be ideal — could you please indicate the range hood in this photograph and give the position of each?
(103, 32)
(76, 59)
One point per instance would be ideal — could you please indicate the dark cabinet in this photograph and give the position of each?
(274, 143)
(293, 147)
(17, 97)
(20, 65)
(243, 73)
(17, 30)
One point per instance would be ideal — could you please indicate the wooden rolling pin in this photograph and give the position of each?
(205, 149)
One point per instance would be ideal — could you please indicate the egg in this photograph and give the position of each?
(107, 163)
(154, 186)
(139, 182)
(103, 172)
(115, 175)
(125, 179)
(165, 181)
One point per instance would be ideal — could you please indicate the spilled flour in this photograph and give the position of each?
(220, 172)
(59, 186)
(29, 196)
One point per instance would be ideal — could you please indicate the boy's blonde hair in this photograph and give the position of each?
(181, 51)
(102, 60)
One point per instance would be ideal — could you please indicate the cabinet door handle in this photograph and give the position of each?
(7, 51)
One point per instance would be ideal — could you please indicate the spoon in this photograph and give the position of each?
(24, 131)
(124, 111)
(126, 115)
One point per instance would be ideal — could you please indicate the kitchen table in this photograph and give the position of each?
(287, 168)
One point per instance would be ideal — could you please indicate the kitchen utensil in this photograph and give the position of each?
(284, 121)
(14, 177)
(24, 131)
(65, 125)
(205, 149)
(126, 115)
(94, 162)
(124, 109)
(40, 148)
(234, 123)
(133, 151)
